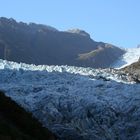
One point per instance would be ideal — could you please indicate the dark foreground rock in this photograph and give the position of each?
(17, 124)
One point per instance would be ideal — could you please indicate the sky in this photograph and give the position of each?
(112, 21)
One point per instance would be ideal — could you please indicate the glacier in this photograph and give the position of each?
(132, 55)
(76, 103)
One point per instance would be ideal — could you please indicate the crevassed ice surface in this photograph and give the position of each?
(75, 103)
(132, 55)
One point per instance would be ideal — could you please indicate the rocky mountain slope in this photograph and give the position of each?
(17, 124)
(40, 44)
(75, 102)
(133, 70)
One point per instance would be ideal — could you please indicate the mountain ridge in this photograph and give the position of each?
(40, 44)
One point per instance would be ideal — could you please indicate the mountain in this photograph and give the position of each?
(40, 44)
(16, 123)
(132, 55)
(76, 103)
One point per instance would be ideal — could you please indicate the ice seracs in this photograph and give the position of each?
(76, 103)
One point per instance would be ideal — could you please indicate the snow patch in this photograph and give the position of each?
(132, 55)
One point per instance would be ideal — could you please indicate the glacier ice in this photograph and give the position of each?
(132, 55)
(75, 102)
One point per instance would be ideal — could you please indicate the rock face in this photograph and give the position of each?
(16, 123)
(41, 44)
(133, 70)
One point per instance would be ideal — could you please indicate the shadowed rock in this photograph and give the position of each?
(17, 124)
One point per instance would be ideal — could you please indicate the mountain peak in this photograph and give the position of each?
(7, 20)
(12, 22)
(79, 31)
